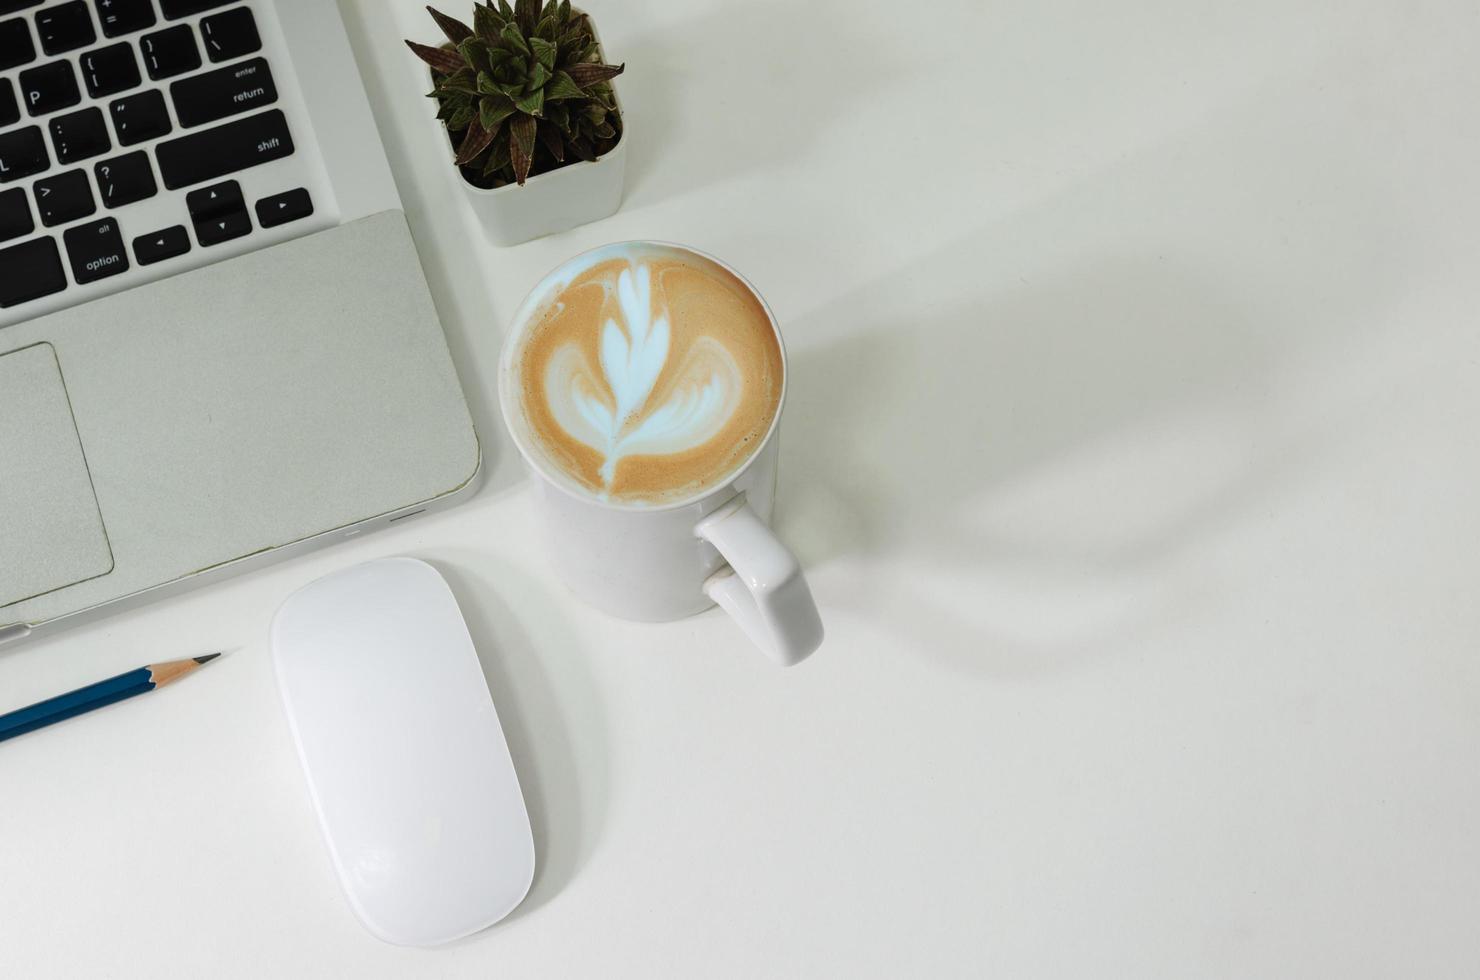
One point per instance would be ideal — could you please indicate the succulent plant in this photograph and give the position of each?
(522, 90)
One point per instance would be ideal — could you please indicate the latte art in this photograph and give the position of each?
(611, 414)
(648, 374)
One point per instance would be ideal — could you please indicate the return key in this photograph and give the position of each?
(223, 92)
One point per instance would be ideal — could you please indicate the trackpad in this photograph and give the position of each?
(51, 533)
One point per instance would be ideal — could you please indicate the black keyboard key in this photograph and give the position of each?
(141, 117)
(79, 135)
(175, 9)
(164, 244)
(95, 250)
(126, 179)
(22, 153)
(213, 153)
(230, 34)
(170, 52)
(64, 197)
(11, 6)
(15, 215)
(282, 208)
(224, 92)
(110, 70)
(10, 109)
(47, 88)
(124, 16)
(207, 202)
(223, 228)
(30, 271)
(65, 27)
(15, 44)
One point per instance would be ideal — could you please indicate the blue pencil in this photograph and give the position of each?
(140, 681)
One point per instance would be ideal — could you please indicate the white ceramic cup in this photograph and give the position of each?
(665, 562)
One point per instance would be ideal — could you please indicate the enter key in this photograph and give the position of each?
(223, 92)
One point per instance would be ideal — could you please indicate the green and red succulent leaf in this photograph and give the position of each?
(521, 145)
(544, 52)
(475, 141)
(527, 13)
(440, 59)
(589, 73)
(487, 23)
(553, 140)
(493, 110)
(513, 38)
(455, 30)
(498, 158)
(531, 105)
(462, 80)
(562, 86)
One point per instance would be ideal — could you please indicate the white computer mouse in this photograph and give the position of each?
(406, 763)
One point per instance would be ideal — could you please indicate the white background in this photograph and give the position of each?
(1132, 451)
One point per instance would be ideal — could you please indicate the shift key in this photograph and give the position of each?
(228, 91)
(223, 150)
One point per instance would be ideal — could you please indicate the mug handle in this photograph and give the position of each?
(762, 587)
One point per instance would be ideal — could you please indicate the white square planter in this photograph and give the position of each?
(557, 200)
(554, 201)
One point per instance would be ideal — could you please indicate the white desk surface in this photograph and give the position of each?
(1132, 452)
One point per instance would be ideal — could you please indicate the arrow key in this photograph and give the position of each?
(215, 199)
(161, 245)
(222, 227)
(283, 208)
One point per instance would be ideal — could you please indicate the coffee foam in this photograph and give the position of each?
(646, 373)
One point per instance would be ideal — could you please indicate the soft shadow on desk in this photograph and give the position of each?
(1125, 344)
(948, 403)
(549, 732)
(901, 428)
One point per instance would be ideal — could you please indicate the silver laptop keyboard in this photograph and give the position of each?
(125, 129)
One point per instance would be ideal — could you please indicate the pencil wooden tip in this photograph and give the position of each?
(206, 659)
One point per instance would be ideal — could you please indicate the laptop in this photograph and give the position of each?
(217, 346)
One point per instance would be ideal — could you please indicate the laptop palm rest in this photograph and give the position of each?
(238, 412)
(55, 536)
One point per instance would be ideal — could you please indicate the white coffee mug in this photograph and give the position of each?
(662, 562)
